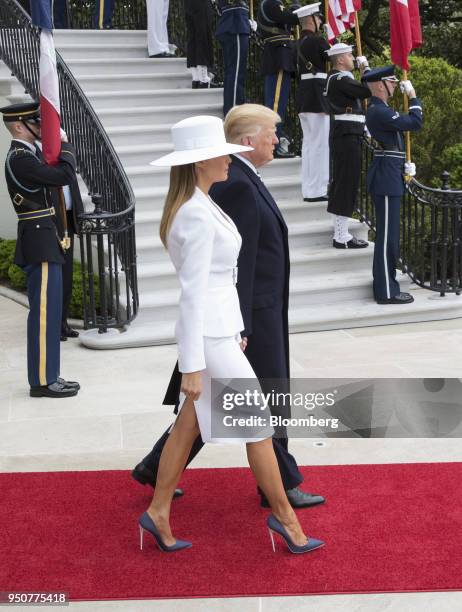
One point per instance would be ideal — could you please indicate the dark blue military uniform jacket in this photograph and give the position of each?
(274, 25)
(311, 62)
(386, 173)
(29, 180)
(234, 17)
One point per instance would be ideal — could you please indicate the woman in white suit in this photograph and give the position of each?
(204, 244)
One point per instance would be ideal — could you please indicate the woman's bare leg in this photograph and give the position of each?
(264, 465)
(171, 465)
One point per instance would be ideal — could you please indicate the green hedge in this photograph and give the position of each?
(13, 276)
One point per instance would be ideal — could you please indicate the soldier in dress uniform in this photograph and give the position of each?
(103, 13)
(39, 250)
(385, 179)
(278, 66)
(311, 105)
(345, 95)
(233, 31)
(199, 46)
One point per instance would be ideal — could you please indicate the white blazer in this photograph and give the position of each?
(203, 244)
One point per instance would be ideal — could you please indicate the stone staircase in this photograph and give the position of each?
(137, 100)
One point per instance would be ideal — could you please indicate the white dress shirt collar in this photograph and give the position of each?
(247, 163)
(28, 144)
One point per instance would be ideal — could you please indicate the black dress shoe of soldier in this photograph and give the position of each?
(144, 476)
(354, 243)
(298, 499)
(162, 55)
(401, 298)
(72, 384)
(66, 330)
(56, 389)
(282, 153)
(318, 199)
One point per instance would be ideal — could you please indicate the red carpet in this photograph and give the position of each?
(386, 527)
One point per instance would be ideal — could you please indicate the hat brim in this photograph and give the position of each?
(181, 158)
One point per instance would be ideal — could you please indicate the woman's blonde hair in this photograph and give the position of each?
(247, 120)
(181, 189)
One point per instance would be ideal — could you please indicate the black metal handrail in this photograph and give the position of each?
(431, 230)
(107, 234)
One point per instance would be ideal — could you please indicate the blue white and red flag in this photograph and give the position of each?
(41, 13)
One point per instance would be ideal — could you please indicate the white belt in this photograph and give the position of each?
(309, 75)
(223, 279)
(350, 117)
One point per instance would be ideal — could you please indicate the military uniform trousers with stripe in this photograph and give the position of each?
(386, 251)
(276, 95)
(44, 290)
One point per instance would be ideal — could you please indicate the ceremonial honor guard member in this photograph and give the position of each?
(199, 46)
(345, 95)
(157, 14)
(39, 249)
(102, 16)
(385, 178)
(311, 105)
(278, 65)
(233, 31)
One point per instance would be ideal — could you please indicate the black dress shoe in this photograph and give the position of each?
(319, 199)
(56, 389)
(297, 499)
(72, 384)
(163, 55)
(401, 298)
(280, 153)
(68, 332)
(354, 243)
(144, 476)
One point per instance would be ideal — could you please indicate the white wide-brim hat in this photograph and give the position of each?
(338, 49)
(197, 139)
(308, 10)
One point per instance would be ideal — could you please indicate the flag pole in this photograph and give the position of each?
(251, 10)
(359, 47)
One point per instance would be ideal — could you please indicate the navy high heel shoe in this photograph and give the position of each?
(274, 526)
(147, 524)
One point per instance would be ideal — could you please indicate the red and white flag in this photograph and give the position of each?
(49, 83)
(405, 30)
(341, 17)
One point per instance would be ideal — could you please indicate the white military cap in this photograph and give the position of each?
(339, 48)
(309, 9)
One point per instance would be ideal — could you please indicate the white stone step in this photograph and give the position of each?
(428, 306)
(117, 38)
(123, 135)
(316, 290)
(123, 99)
(301, 235)
(166, 114)
(100, 50)
(306, 265)
(117, 67)
(111, 82)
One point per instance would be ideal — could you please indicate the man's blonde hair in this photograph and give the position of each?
(247, 120)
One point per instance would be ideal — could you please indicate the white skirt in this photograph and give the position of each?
(226, 361)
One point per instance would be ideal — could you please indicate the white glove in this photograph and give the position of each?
(253, 25)
(407, 88)
(362, 62)
(63, 135)
(409, 169)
